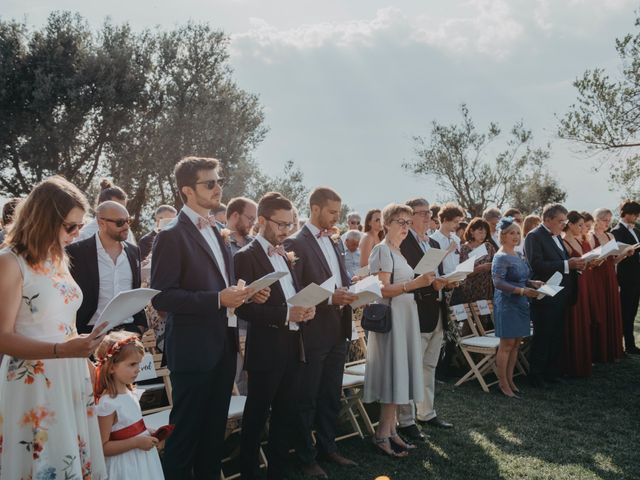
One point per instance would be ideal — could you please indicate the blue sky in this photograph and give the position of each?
(346, 84)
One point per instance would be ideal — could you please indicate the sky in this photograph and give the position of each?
(346, 85)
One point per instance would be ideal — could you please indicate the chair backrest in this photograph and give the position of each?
(162, 372)
(477, 315)
(360, 344)
(459, 314)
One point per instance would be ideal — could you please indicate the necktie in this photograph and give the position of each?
(279, 250)
(206, 222)
(323, 233)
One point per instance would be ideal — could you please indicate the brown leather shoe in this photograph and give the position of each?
(314, 470)
(338, 459)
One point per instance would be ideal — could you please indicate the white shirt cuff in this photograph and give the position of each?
(566, 267)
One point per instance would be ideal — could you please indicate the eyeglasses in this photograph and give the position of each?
(282, 226)
(354, 222)
(211, 184)
(252, 220)
(119, 222)
(71, 228)
(403, 223)
(424, 214)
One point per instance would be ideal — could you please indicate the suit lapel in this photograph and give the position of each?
(226, 253)
(313, 243)
(195, 235)
(346, 281)
(92, 265)
(134, 264)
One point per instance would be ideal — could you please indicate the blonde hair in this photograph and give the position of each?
(114, 348)
(513, 226)
(35, 231)
(530, 222)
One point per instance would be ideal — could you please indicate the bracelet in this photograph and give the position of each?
(404, 287)
(55, 350)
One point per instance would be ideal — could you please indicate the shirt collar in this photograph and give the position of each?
(264, 243)
(313, 229)
(193, 216)
(628, 225)
(100, 247)
(415, 235)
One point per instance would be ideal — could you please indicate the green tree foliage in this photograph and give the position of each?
(458, 158)
(606, 116)
(290, 184)
(121, 104)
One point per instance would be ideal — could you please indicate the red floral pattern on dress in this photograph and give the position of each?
(38, 419)
(26, 370)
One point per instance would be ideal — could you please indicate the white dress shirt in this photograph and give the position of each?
(212, 241)
(279, 264)
(452, 260)
(631, 229)
(114, 278)
(495, 236)
(329, 253)
(556, 239)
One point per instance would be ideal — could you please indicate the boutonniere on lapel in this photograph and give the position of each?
(292, 259)
(225, 233)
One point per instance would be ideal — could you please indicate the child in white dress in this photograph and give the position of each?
(128, 446)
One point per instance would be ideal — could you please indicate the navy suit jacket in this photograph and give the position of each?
(545, 258)
(629, 268)
(83, 257)
(331, 324)
(185, 271)
(427, 297)
(267, 333)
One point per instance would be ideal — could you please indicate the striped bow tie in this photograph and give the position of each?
(206, 222)
(323, 233)
(279, 250)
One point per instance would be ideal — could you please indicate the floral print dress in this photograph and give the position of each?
(48, 426)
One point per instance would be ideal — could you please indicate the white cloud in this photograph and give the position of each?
(486, 28)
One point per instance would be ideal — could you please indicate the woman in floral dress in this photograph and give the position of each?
(48, 427)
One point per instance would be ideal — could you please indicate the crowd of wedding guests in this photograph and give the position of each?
(66, 400)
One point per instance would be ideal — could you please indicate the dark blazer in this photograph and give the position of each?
(146, 243)
(83, 257)
(185, 271)
(332, 324)
(267, 333)
(629, 268)
(545, 258)
(427, 297)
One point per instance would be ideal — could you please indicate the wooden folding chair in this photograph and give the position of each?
(484, 346)
(149, 342)
(522, 364)
(358, 366)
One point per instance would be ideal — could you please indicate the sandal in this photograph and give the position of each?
(380, 443)
(400, 444)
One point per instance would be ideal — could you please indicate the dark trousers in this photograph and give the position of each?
(319, 400)
(273, 389)
(548, 330)
(629, 298)
(200, 409)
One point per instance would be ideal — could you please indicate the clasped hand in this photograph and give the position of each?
(234, 296)
(301, 314)
(342, 296)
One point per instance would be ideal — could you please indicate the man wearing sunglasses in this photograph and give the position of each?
(104, 265)
(193, 270)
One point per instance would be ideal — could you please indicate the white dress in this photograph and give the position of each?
(48, 427)
(135, 464)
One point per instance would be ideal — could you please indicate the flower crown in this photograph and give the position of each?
(115, 349)
(504, 223)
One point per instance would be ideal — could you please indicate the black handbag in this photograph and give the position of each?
(376, 317)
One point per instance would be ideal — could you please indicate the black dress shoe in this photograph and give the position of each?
(412, 433)
(632, 351)
(437, 422)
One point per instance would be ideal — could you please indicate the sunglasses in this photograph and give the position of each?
(120, 222)
(71, 228)
(211, 184)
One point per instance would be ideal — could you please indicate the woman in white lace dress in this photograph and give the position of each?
(48, 427)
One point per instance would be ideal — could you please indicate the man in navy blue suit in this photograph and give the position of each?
(274, 349)
(546, 255)
(193, 270)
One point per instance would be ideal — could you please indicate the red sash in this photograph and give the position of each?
(128, 432)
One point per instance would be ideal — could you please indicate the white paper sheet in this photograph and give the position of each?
(461, 271)
(479, 252)
(483, 307)
(622, 248)
(312, 294)
(555, 279)
(124, 305)
(147, 368)
(430, 261)
(266, 281)
(459, 312)
(368, 291)
(548, 290)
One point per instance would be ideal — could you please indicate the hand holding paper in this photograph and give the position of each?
(479, 252)
(366, 291)
(461, 272)
(311, 295)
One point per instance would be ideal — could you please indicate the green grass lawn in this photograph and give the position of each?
(586, 429)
